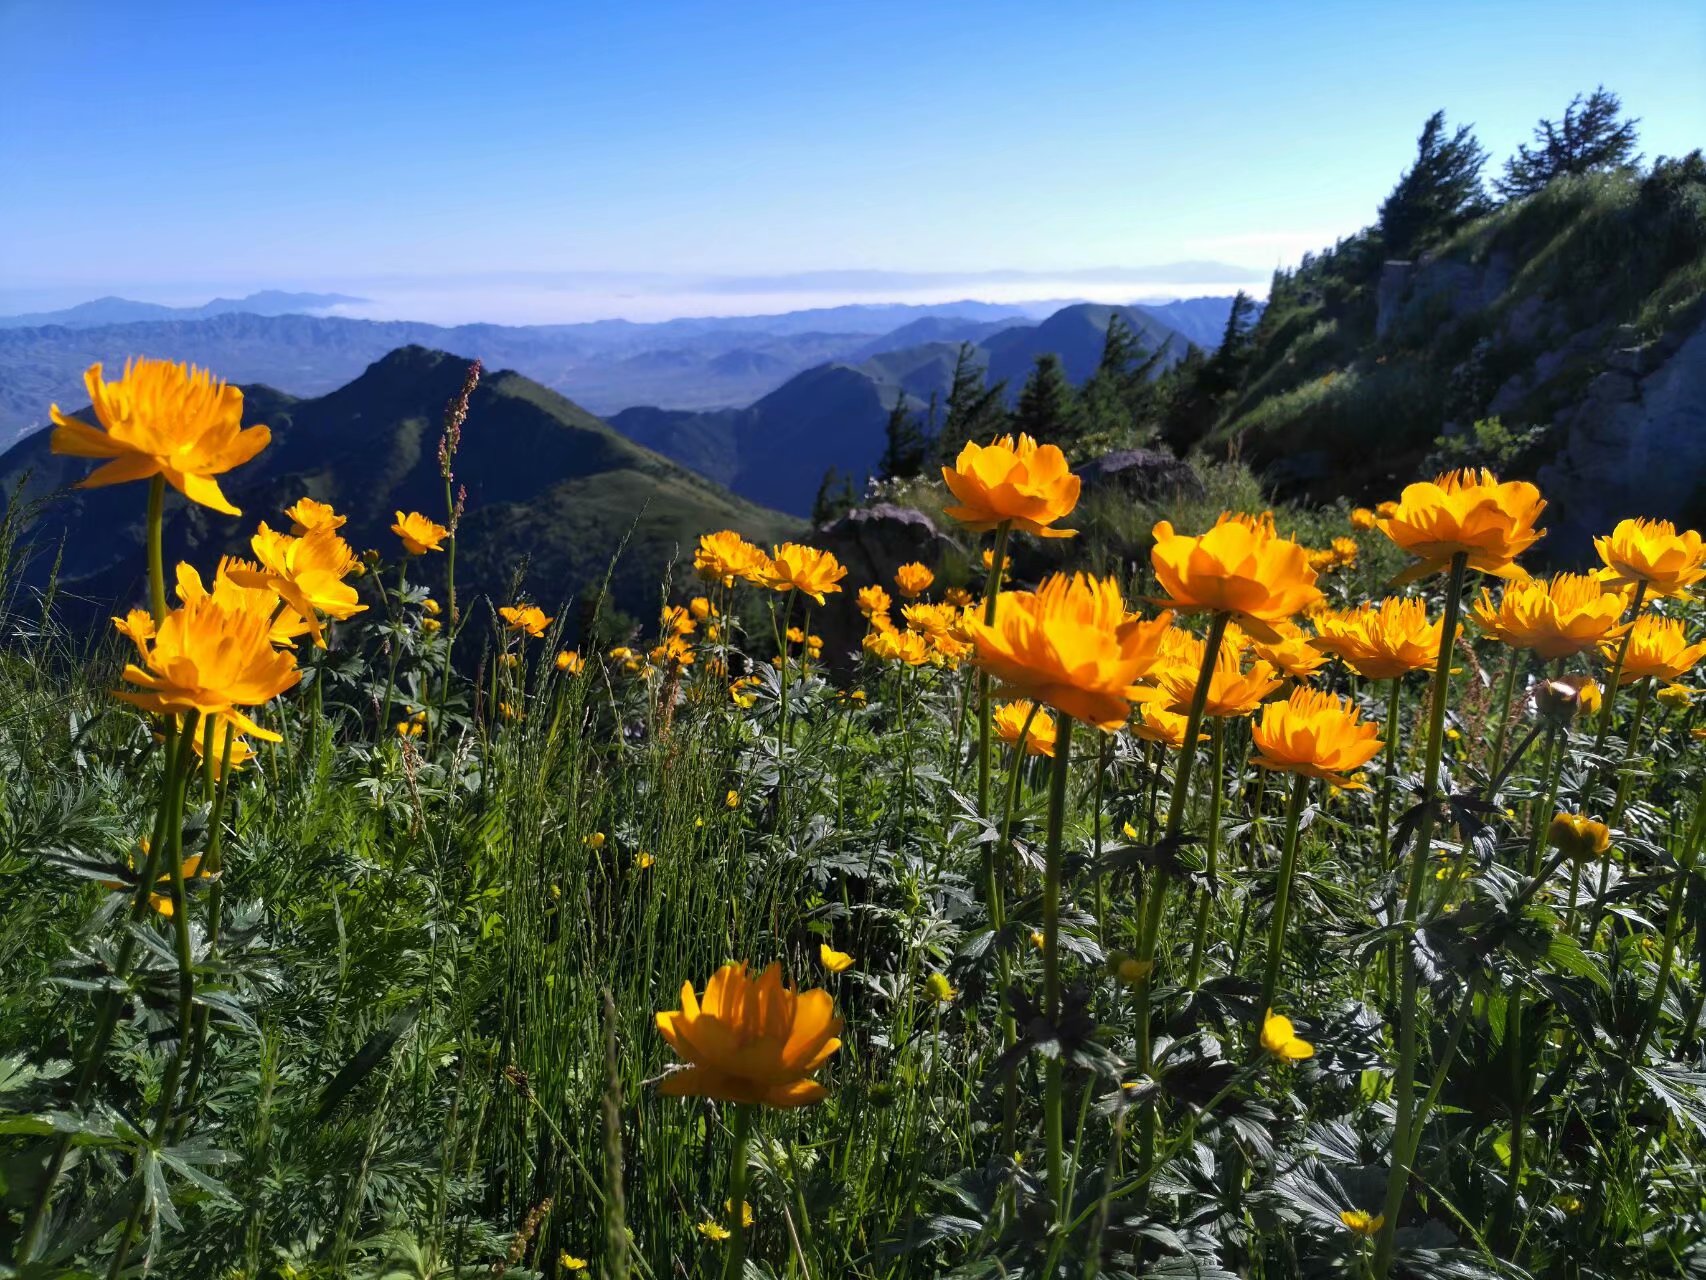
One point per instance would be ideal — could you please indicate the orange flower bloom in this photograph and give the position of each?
(1070, 644)
(794, 567)
(752, 1040)
(1009, 721)
(1653, 552)
(1317, 735)
(889, 645)
(1240, 567)
(307, 573)
(527, 618)
(287, 624)
(1293, 654)
(570, 663)
(1363, 519)
(724, 556)
(419, 534)
(913, 579)
(873, 601)
(162, 419)
(1578, 836)
(1658, 647)
(1155, 723)
(214, 656)
(1232, 691)
(1467, 512)
(1382, 641)
(308, 514)
(161, 901)
(1556, 618)
(1020, 482)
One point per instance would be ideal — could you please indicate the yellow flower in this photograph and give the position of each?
(732, 800)
(701, 608)
(833, 960)
(1362, 518)
(988, 558)
(794, 567)
(1676, 696)
(724, 556)
(1470, 513)
(795, 635)
(568, 1262)
(674, 651)
(913, 580)
(1157, 724)
(1382, 641)
(931, 619)
(715, 1232)
(644, 861)
(212, 656)
(1232, 691)
(1317, 735)
(1070, 644)
(1129, 969)
(430, 625)
(1009, 722)
(1363, 1223)
(1658, 647)
(430, 606)
(527, 618)
(571, 662)
(419, 534)
(752, 1041)
(959, 597)
(594, 841)
(746, 1218)
(872, 601)
(1579, 837)
(1653, 552)
(677, 620)
(1018, 482)
(160, 902)
(1281, 1039)
(741, 691)
(240, 751)
(509, 711)
(409, 729)
(940, 989)
(1293, 654)
(308, 514)
(162, 419)
(1240, 567)
(307, 573)
(889, 645)
(1556, 618)
(287, 624)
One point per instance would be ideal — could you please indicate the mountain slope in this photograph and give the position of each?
(102, 311)
(1076, 335)
(546, 481)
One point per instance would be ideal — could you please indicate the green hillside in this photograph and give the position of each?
(548, 484)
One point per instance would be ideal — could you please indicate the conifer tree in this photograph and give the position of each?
(1438, 193)
(974, 410)
(904, 443)
(1590, 137)
(1048, 409)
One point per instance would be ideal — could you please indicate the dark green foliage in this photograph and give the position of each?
(1438, 193)
(1591, 137)
(905, 441)
(974, 409)
(1048, 407)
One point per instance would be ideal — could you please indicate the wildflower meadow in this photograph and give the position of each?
(1271, 907)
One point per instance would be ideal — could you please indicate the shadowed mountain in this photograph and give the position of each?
(1075, 334)
(101, 311)
(548, 484)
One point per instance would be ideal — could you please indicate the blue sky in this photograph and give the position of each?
(473, 162)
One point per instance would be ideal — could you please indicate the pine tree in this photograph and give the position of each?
(974, 411)
(1591, 137)
(1117, 403)
(904, 443)
(1438, 193)
(824, 505)
(1048, 409)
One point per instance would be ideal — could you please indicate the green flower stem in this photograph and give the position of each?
(1612, 685)
(1388, 783)
(449, 595)
(1054, 1101)
(212, 864)
(394, 612)
(1157, 888)
(1199, 943)
(991, 595)
(1673, 923)
(156, 548)
(735, 1260)
(1282, 896)
(1498, 756)
(1404, 1099)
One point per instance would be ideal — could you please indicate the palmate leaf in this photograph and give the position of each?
(1683, 1093)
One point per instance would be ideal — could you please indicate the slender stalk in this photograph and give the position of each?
(1054, 1102)
(1282, 895)
(1388, 783)
(1612, 684)
(395, 613)
(1673, 923)
(156, 548)
(1157, 888)
(991, 595)
(1199, 943)
(1498, 756)
(735, 1261)
(1403, 1135)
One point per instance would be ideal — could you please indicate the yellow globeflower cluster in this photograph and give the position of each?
(307, 573)
(1381, 641)
(1317, 735)
(913, 579)
(1071, 644)
(1658, 647)
(1010, 719)
(1233, 689)
(1018, 483)
(1652, 553)
(1241, 567)
(419, 534)
(1556, 618)
(1465, 513)
(724, 556)
(528, 619)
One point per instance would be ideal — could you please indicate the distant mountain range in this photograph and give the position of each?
(776, 450)
(548, 484)
(605, 365)
(102, 311)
